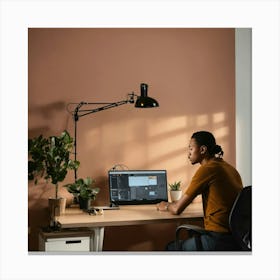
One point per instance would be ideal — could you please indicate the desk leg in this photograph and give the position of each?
(97, 239)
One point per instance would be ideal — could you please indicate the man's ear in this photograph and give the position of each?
(203, 149)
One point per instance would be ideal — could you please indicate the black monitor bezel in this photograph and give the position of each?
(137, 202)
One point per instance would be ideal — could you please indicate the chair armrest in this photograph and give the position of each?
(191, 228)
(195, 231)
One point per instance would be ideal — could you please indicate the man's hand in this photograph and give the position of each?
(162, 206)
(176, 207)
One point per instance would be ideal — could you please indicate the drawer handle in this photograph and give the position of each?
(73, 241)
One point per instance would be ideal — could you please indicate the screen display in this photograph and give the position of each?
(137, 186)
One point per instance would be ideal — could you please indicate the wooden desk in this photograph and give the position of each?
(126, 215)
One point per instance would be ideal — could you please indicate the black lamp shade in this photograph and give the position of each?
(144, 101)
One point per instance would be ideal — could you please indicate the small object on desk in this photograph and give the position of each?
(111, 207)
(94, 211)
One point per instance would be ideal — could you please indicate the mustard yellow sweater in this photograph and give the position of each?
(219, 183)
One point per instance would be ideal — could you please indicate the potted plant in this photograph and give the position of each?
(84, 190)
(175, 190)
(49, 158)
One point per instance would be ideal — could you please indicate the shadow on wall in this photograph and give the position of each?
(38, 213)
(50, 117)
(103, 196)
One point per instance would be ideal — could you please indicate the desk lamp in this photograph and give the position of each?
(142, 101)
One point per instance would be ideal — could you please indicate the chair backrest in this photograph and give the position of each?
(240, 219)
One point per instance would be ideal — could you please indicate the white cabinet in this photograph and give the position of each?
(68, 244)
(65, 241)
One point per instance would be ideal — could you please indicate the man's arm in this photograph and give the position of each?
(176, 207)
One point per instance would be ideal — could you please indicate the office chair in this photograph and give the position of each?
(240, 223)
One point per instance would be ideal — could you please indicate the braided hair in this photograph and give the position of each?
(205, 138)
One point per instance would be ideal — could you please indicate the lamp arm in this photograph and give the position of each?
(78, 113)
(95, 110)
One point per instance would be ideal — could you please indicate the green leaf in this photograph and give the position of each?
(49, 158)
(88, 181)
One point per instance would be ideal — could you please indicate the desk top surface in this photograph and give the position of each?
(126, 215)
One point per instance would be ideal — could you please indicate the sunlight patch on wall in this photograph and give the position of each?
(221, 132)
(161, 143)
(166, 146)
(167, 125)
(170, 162)
(218, 117)
(202, 120)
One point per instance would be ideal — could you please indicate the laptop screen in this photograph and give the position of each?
(137, 186)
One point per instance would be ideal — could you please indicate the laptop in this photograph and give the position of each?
(137, 187)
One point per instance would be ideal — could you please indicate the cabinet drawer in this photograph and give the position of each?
(68, 244)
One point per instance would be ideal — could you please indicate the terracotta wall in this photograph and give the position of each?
(191, 73)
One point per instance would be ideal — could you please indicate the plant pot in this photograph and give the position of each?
(84, 203)
(63, 201)
(175, 195)
(57, 206)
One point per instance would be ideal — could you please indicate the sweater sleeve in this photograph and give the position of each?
(199, 182)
